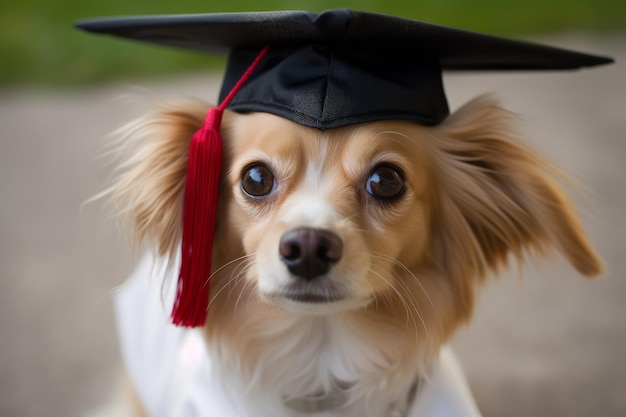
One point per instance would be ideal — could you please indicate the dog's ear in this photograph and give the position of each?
(148, 190)
(498, 198)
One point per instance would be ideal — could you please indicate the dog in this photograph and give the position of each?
(344, 259)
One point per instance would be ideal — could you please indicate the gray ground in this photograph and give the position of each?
(553, 344)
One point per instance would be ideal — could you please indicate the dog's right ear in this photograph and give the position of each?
(149, 185)
(497, 198)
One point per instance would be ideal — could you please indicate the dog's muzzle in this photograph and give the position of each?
(309, 253)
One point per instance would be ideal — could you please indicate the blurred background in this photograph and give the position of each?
(550, 344)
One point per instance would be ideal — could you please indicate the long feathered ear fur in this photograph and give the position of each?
(498, 198)
(148, 189)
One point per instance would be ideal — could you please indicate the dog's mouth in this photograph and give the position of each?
(312, 298)
(321, 296)
(323, 292)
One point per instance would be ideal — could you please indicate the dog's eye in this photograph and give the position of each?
(385, 183)
(257, 181)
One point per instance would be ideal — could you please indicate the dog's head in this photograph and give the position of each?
(387, 219)
(330, 219)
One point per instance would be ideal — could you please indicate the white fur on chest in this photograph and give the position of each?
(315, 356)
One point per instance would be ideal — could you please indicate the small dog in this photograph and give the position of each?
(345, 259)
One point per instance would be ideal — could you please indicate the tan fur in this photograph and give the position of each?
(475, 198)
(499, 198)
(149, 186)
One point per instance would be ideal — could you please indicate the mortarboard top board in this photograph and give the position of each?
(340, 67)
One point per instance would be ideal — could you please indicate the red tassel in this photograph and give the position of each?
(202, 185)
(201, 191)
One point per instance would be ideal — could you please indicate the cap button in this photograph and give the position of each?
(333, 24)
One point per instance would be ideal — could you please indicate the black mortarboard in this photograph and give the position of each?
(321, 70)
(340, 67)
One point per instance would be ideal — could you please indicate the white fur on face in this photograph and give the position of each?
(347, 278)
(310, 202)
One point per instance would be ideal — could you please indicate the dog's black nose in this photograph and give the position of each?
(309, 253)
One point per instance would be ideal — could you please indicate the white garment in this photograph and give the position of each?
(172, 371)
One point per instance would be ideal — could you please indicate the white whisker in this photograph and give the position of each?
(238, 273)
(243, 260)
(407, 289)
(402, 299)
(245, 286)
(407, 270)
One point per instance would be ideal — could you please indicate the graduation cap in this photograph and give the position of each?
(325, 70)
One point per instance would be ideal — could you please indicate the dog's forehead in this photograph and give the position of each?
(259, 131)
(351, 151)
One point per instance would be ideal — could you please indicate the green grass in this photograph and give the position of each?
(38, 44)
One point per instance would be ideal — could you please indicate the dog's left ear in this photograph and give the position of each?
(498, 198)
